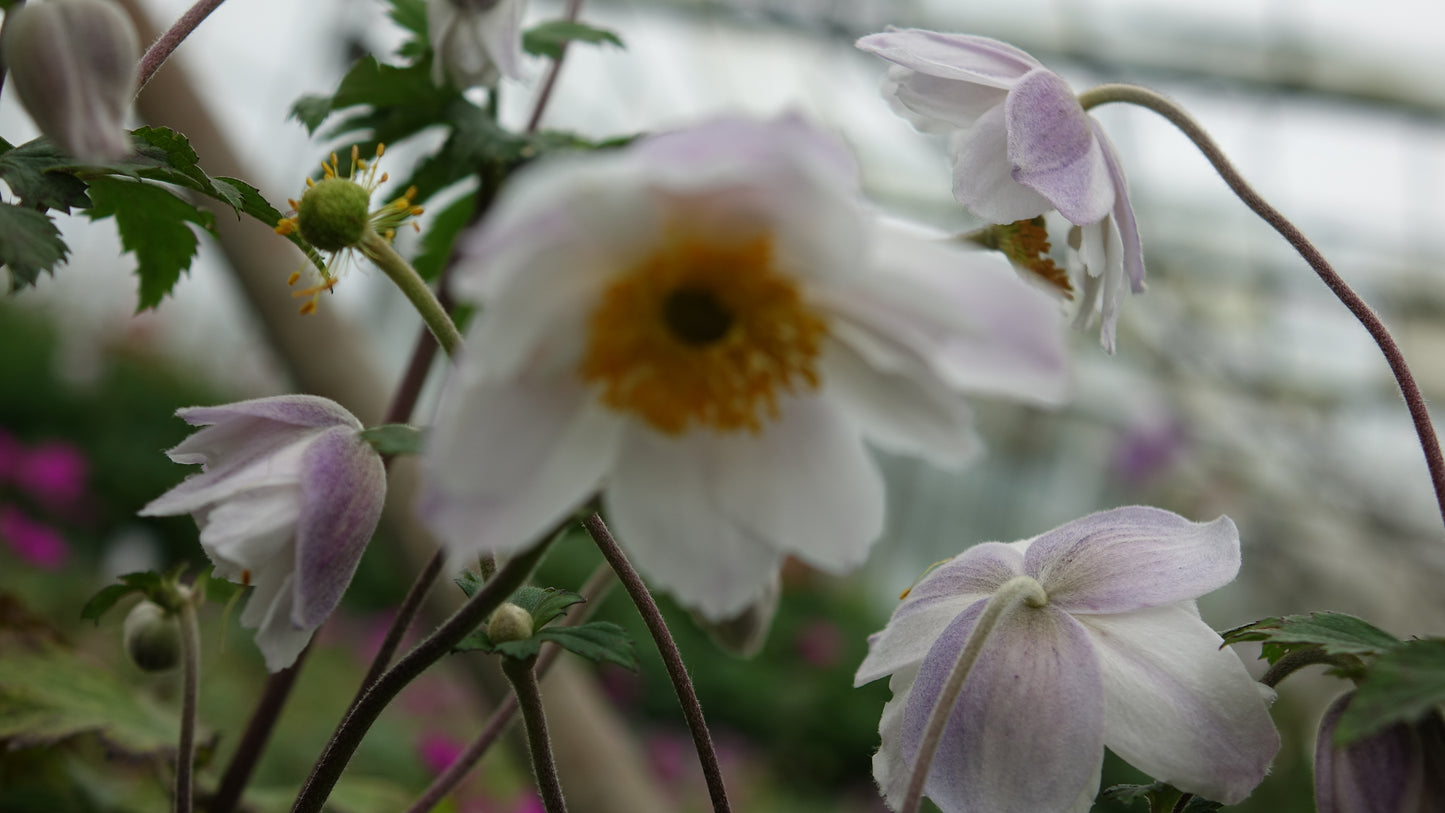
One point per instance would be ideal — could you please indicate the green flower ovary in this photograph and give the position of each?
(333, 214)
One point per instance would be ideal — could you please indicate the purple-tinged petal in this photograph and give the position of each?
(296, 410)
(937, 105)
(1382, 773)
(1112, 294)
(1131, 558)
(983, 173)
(277, 636)
(1180, 708)
(236, 457)
(962, 57)
(1027, 732)
(247, 531)
(1124, 219)
(890, 767)
(343, 487)
(1052, 148)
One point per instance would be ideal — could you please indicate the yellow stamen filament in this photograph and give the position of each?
(703, 333)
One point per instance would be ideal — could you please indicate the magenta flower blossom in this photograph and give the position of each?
(35, 542)
(286, 500)
(1400, 769)
(1021, 145)
(54, 473)
(1117, 656)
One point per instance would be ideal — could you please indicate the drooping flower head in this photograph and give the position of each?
(286, 500)
(475, 42)
(1116, 656)
(1021, 145)
(705, 326)
(1400, 769)
(334, 215)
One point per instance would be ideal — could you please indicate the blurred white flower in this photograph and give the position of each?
(1021, 145)
(286, 500)
(1117, 656)
(705, 326)
(475, 42)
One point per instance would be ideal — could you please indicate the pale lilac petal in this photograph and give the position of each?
(271, 458)
(1123, 212)
(662, 507)
(247, 531)
(983, 174)
(506, 460)
(278, 638)
(1026, 733)
(297, 410)
(890, 767)
(1111, 298)
(963, 57)
(788, 144)
(500, 31)
(1180, 708)
(1131, 558)
(343, 488)
(805, 484)
(1052, 148)
(937, 105)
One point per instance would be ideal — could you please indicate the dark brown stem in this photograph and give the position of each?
(257, 734)
(676, 669)
(1414, 401)
(191, 664)
(574, 8)
(161, 49)
(534, 718)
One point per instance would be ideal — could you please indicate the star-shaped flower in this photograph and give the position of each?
(1116, 655)
(704, 327)
(1021, 145)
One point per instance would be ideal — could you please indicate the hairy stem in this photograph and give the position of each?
(257, 734)
(416, 291)
(534, 719)
(1294, 661)
(676, 669)
(363, 713)
(574, 8)
(1012, 593)
(1414, 401)
(191, 664)
(161, 49)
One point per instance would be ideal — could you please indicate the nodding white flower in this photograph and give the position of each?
(1399, 769)
(704, 326)
(1116, 656)
(286, 500)
(1021, 145)
(475, 42)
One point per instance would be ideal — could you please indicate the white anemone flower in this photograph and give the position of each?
(1116, 656)
(475, 42)
(1021, 145)
(286, 500)
(704, 326)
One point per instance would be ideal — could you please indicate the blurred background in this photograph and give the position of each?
(1240, 386)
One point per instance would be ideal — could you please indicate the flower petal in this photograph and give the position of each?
(962, 57)
(983, 173)
(1033, 700)
(278, 638)
(296, 410)
(237, 456)
(1133, 557)
(937, 105)
(1180, 708)
(1052, 148)
(1123, 212)
(248, 530)
(343, 488)
(890, 767)
(661, 505)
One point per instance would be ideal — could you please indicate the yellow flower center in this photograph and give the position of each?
(703, 333)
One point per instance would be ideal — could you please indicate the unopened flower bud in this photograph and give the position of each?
(333, 214)
(152, 638)
(74, 64)
(509, 623)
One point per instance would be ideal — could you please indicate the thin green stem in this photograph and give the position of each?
(1414, 401)
(190, 691)
(1294, 661)
(162, 48)
(534, 719)
(348, 735)
(411, 284)
(671, 658)
(1012, 593)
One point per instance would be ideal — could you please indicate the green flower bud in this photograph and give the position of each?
(509, 623)
(152, 638)
(333, 214)
(74, 64)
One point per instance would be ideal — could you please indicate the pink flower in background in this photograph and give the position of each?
(438, 751)
(54, 473)
(35, 542)
(819, 643)
(12, 453)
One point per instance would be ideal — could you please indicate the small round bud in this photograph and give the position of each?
(509, 623)
(152, 638)
(333, 214)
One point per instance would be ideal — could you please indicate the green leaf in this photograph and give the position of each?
(552, 605)
(597, 641)
(30, 170)
(29, 244)
(549, 38)
(436, 244)
(1336, 633)
(394, 438)
(1401, 686)
(404, 100)
(101, 602)
(469, 582)
(152, 226)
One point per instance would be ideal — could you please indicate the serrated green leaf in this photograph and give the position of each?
(101, 602)
(411, 16)
(1336, 633)
(528, 597)
(477, 640)
(311, 111)
(469, 582)
(256, 205)
(1401, 686)
(394, 438)
(436, 243)
(554, 604)
(404, 100)
(31, 170)
(29, 244)
(596, 641)
(549, 38)
(152, 223)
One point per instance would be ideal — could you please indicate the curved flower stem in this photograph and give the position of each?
(1151, 100)
(534, 719)
(257, 734)
(363, 713)
(161, 49)
(1012, 593)
(191, 659)
(574, 8)
(410, 282)
(1294, 661)
(676, 669)
(596, 587)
